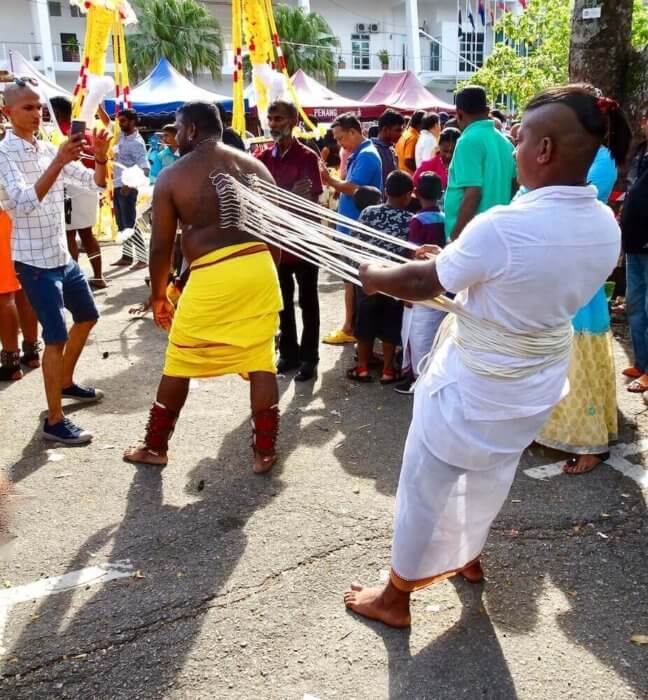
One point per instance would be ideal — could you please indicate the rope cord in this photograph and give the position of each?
(294, 224)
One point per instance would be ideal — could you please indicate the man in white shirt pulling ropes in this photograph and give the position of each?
(523, 271)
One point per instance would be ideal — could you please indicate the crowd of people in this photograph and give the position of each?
(509, 219)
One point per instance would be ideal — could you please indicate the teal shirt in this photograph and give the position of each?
(483, 158)
(161, 160)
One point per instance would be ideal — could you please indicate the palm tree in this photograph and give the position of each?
(182, 31)
(307, 42)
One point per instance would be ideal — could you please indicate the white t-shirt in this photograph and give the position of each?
(527, 266)
(425, 147)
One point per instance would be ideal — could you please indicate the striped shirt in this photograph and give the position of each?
(38, 236)
(130, 150)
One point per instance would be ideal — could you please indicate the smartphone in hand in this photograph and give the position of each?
(77, 128)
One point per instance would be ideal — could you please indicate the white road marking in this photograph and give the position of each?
(90, 576)
(617, 461)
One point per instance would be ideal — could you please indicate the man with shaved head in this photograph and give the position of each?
(32, 176)
(520, 273)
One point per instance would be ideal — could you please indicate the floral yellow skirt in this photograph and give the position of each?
(585, 421)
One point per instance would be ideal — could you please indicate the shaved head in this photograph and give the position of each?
(572, 147)
(22, 105)
(15, 93)
(561, 131)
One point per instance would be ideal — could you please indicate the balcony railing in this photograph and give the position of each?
(371, 62)
(63, 53)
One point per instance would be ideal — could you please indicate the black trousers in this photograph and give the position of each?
(306, 276)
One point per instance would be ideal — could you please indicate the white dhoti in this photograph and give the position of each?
(84, 208)
(420, 326)
(493, 381)
(451, 490)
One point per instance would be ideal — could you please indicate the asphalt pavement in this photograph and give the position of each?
(206, 581)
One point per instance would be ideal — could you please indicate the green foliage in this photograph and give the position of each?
(639, 25)
(182, 31)
(534, 54)
(307, 42)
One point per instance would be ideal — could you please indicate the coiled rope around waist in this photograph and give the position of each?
(301, 227)
(475, 336)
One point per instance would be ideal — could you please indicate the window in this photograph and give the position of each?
(54, 9)
(435, 56)
(75, 11)
(360, 55)
(471, 48)
(70, 48)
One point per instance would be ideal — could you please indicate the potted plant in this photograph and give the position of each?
(341, 63)
(71, 50)
(383, 57)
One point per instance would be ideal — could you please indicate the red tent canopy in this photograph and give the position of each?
(324, 104)
(405, 93)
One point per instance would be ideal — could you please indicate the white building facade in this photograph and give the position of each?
(420, 35)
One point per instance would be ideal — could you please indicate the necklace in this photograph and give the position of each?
(208, 139)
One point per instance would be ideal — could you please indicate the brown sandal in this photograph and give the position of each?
(159, 429)
(10, 366)
(638, 386)
(31, 357)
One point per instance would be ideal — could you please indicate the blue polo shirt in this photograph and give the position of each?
(364, 168)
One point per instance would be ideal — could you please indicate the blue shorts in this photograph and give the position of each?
(52, 290)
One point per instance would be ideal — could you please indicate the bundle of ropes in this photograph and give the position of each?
(339, 245)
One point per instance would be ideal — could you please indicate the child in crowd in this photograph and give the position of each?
(366, 196)
(420, 323)
(440, 163)
(379, 316)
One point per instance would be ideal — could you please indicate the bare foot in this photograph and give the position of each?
(140, 454)
(473, 573)
(386, 604)
(141, 309)
(98, 283)
(584, 463)
(262, 465)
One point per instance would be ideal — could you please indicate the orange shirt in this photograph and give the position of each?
(406, 149)
(8, 280)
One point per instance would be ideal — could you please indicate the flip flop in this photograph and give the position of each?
(359, 374)
(638, 386)
(338, 337)
(391, 377)
(632, 373)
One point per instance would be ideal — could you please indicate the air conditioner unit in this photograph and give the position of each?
(374, 28)
(362, 28)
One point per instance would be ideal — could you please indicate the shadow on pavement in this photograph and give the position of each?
(137, 633)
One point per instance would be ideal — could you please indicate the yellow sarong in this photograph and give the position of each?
(227, 316)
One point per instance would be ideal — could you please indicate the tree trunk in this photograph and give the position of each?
(600, 48)
(637, 86)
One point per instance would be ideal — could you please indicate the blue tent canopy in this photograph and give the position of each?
(164, 90)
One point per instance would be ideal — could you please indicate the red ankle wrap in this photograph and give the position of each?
(159, 428)
(265, 428)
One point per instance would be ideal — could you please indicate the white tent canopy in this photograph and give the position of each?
(21, 68)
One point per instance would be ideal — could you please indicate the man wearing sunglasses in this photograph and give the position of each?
(32, 176)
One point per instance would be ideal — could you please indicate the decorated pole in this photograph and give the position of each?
(105, 20)
(254, 32)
